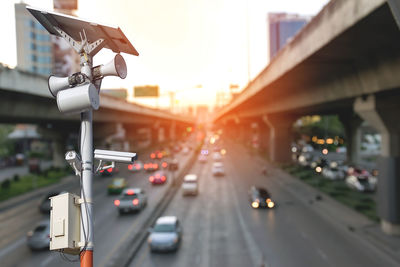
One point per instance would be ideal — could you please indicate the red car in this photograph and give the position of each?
(158, 178)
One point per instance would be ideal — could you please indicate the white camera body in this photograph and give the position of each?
(114, 156)
(74, 160)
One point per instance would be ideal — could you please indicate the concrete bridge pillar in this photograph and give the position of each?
(352, 125)
(58, 137)
(280, 137)
(382, 113)
(172, 131)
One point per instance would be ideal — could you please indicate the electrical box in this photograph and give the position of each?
(65, 223)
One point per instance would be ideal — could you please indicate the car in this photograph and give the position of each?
(173, 165)
(109, 171)
(190, 185)
(218, 169)
(158, 177)
(166, 234)
(130, 200)
(39, 237)
(202, 158)
(116, 186)
(334, 171)
(44, 205)
(259, 197)
(136, 166)
(361, 180)
(217, 156)
(151, 166)
(185, 150)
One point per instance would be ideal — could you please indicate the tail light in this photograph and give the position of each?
(152, 155)
(159, 155)
(117, 202)
(130, 167)
(109, 170)
(151, 179)
(155, 166)
(135, 201)
(137, 167)
(164, 165)
(163, 178)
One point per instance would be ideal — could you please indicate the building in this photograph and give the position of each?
(282, 28)
(65, 60)
(34, 46)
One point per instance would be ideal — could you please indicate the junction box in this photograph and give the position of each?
(65, 223)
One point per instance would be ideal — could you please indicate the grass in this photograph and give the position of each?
(361, 202)
(30, 182)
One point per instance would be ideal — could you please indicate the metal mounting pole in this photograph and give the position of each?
(87, 229)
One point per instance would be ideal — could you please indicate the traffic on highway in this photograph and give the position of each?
(200, 133)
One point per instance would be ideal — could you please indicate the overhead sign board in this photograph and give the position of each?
(146, 91)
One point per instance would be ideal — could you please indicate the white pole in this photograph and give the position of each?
(87, 229)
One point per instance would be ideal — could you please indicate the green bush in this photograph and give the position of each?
(6, 184)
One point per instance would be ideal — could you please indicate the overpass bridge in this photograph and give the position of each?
(25, 98)
(346, 61)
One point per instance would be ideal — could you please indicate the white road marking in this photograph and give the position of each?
(47, 260)
(12, 247)
(322, 254)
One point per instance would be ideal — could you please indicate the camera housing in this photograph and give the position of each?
(74, 160)
(115, 156)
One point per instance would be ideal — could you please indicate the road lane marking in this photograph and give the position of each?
(47, 260)
(255, 252)
(322, 254)
(12, 247)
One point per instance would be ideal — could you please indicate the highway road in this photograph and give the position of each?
(111, 229)
(221, 229)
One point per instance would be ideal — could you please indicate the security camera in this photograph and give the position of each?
(116, 67)
(115, 156)
(74, 160)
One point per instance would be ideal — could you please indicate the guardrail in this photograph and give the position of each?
(129, 249)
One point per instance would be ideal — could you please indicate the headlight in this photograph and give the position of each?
(149, 240)
(30, 233)
(176, 239)
(271, 204)
(255, 204)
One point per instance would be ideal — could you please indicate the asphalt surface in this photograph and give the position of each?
(111, 229)
(221, 229)
(219, 226)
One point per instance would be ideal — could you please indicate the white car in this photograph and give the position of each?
(333, 173)
(190, 185)
(218, 169)
(217, 156)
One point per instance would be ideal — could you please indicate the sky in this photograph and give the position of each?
(182, 43)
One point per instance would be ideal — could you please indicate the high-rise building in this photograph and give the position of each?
(65, 59)
(282, 28)
(34, 46)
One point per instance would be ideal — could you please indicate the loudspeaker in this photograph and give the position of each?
(116, 67)
(78, 99)
(57, 84)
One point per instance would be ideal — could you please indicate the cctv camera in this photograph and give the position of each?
(117, 156)
(74, 160)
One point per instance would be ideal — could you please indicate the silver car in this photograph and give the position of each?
(131, 199)
(166, 234)
(39, 238)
